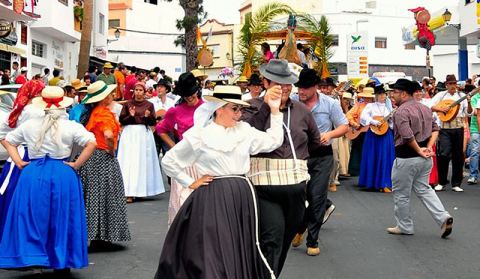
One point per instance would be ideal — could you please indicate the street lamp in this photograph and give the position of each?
(117, 36)
(447, 16)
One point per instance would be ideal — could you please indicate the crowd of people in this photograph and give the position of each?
(250, 165)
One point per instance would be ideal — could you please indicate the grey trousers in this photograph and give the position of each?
(333, 180)
(413, 174)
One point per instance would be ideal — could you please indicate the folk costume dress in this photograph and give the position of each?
(46, 223)
(214, 234)
(181, 117)
(102, 181)
(21, 112)
(137, 154)
(10, 172)
(378, 151)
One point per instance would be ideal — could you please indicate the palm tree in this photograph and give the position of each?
(322, 42)
(194, 13)
(251, 34)
(86, 39)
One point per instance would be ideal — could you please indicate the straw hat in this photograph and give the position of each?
(227, 93)
(242, 79)
(198, 74)
(347, 95)
(97, 91)
(76, 83)
(52, 98)
(107, 65)
(367, 93)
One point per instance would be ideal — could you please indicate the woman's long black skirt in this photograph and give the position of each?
(213, 235)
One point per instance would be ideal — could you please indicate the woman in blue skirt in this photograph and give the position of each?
(378, 150)
(45, 225)
(22, 111)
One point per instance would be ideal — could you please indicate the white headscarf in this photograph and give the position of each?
(204, 113)
(50, 122)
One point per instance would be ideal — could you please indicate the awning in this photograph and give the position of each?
(13, 49)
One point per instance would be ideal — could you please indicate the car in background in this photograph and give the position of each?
(12, 89)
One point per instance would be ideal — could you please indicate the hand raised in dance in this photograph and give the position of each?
(202, 181)
(131, 110)
(274, 98)
(147, 113)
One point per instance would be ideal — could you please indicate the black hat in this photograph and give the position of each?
(441, 86)
(277, 70)
(379, 89)
(322, 82)
(186, 86)
(308, 78)
(417, 86)
(254, 80)
(164, 83)
(405, 84)
(330, 82)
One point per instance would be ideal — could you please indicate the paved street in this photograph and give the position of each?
(354, 242)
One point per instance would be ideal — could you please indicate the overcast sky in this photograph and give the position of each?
(226, 11)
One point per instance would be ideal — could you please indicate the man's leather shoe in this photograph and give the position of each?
(447, 227)
(333, 188)
(313, 251)
(298, 239)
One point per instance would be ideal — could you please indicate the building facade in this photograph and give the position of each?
(147, 34)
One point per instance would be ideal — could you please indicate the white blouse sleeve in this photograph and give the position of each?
(182, 155)
(16, 137)
(366, 116)
(80, 135)
(4, 130)
(269, 140)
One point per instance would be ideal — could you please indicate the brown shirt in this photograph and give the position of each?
(139, 118)
(304, 131)
(412, 121)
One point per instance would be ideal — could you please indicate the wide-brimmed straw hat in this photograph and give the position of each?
(367, 93)
(107, 65)
(52, 98)
(76, 83)
(227, 93)
(277, 70)
(98, 91)
(347, 95)
(242, 79)
(198, 74)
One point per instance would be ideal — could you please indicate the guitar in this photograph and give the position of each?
(454, 107)
(341, 87)
(354, 133)
(383, 121)
(159, 117)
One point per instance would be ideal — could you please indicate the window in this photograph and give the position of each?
(113, 23)
(101, 23)
(334, 40)
(23, 34)
(154, 2)
(64, 2)
(380, 42)
(410, 46)
(38, 49)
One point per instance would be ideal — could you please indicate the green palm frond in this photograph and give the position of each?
(323, 39)
(251, 33)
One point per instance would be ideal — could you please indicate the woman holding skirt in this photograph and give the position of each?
(22, 111)
(46, 224)
(378, 150)
(215, 233)
(180, 117)
(137, 154)
(102, 181)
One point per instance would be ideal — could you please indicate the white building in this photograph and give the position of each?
(52, 40)
(147, 34)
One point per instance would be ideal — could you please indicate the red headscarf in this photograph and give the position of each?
(29, 90)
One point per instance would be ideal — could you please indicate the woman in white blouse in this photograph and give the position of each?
(378, 150)
(214, 235)
(46, 226)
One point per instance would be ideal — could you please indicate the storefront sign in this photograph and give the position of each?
(100, 52)
(5, 28)
(57, 54)
(357, 55)
(13, 49)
